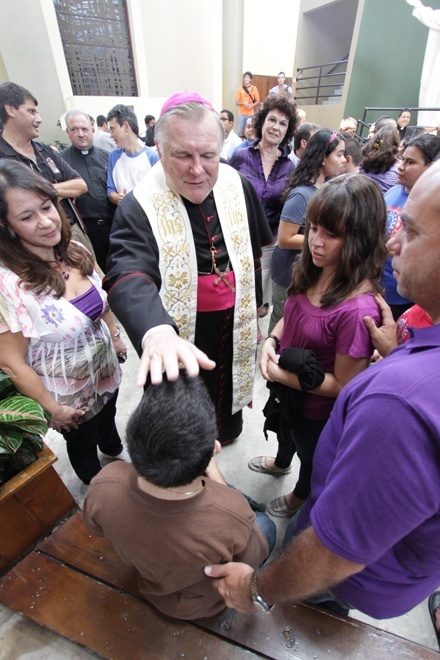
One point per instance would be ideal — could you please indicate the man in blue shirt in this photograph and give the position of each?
(281, 88)
(131, 161)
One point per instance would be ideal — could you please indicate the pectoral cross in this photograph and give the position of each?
(222, 278)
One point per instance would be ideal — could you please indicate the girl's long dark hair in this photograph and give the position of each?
(351, 206)
(321, 144)
(427, 144)
(33, 271)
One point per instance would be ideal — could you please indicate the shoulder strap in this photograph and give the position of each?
(249, 94)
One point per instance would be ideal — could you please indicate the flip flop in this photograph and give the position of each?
(433, 604)
(279, 507)
(258, 464)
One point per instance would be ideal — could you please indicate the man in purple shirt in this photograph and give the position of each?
(367, 537)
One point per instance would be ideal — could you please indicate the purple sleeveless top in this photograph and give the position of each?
(89, 303)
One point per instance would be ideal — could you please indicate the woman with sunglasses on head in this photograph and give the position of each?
(58, 340)
(333, 288)
(322, 159)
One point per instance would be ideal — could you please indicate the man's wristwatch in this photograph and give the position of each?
(259, 603)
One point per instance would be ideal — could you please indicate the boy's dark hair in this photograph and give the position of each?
(384, 120)
(15, 95)
(304, 132)
(171, 433)
(353, 149)
(148, 118)
(101, 120)
(124, 113)
(247, 73)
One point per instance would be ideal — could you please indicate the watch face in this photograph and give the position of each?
(259, 607)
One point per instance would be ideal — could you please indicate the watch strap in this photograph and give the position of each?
(257, 600)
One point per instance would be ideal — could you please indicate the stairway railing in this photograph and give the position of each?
(319, 81)
(381, 109)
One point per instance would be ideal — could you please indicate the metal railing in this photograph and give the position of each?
(326, 72)
(381, 109)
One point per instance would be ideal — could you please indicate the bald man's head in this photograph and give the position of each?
(416, 245)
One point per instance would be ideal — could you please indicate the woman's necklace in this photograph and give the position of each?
(190, 492)
(65, 269)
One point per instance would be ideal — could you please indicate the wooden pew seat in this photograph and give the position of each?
(75, 585)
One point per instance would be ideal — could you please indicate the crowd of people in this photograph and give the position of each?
(189, 242)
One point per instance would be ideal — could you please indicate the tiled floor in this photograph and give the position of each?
(20, 638)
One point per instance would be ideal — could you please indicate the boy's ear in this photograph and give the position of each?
(217, 447)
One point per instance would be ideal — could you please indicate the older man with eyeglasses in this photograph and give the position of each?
(184, 273)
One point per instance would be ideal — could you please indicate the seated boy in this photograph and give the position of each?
(170, 513)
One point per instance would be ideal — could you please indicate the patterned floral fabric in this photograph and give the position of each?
(72, 354)
(172, 230)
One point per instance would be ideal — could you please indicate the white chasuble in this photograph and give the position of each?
(172, 230)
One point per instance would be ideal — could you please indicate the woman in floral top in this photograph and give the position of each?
(58, 339)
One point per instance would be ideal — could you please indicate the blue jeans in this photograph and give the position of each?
(279, 297)
(327, 599)
(241, 123)
(268, 528)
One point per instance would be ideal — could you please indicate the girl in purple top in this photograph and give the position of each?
(333, 288)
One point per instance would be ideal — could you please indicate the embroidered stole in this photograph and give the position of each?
(171, 226)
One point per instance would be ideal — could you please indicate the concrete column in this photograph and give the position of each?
(232, 47)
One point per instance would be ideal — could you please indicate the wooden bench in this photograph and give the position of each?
(75, 585)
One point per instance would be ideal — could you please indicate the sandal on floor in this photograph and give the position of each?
(279, 507)
(258, 464)
(433, 604)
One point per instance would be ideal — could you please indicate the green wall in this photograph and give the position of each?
(389, 57)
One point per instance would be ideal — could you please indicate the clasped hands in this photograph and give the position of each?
(65, 418)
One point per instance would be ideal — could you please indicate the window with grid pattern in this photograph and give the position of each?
(96, 41)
